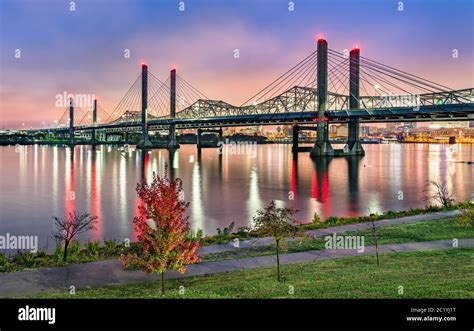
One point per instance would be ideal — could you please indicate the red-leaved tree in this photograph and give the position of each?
(163, 231)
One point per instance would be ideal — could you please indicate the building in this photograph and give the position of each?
(457, 124)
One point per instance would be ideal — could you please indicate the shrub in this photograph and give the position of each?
(466, 218)
(92, 248)
(225, 234)
(110, 247)
(74, 251)
(316, 219)
(5, 264)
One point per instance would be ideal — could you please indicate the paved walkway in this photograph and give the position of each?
(257, 242)
(111, 271)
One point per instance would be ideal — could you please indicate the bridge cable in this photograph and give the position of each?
(297, 66)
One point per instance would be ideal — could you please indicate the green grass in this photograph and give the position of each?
(431, 274)
(247, 233)
(447, 228)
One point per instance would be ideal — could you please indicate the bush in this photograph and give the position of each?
(225, 234)
(466, 218)
(92, 248)
(58, 253)
(74, 250)
(24, 258)
(5, 264)
(244, 232)
(197, 236)
(110, 248)
(316, 219)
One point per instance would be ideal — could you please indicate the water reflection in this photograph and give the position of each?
(45, 181)
(69, 192)
(353, 165)
(95, 189)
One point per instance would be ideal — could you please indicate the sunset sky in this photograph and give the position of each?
(82, 51)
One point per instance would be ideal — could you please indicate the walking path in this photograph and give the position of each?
(257, 242)
(110, 272)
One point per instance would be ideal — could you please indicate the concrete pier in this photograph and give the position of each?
(172, 141)
(322, 147)
(145, 142)
(354, 147)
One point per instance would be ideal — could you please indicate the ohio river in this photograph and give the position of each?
(39, 182)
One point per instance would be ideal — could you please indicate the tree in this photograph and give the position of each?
(275, 222)
(376, 239)
(440, 193)
(163, 231)
(70, 227)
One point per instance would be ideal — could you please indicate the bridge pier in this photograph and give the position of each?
(198, 138)
(172, 140)
(296, 133)
(71, 122)
(200, 131)
(322, 147)
(94, 122)
(296, 130)
(353, 146)
(145, 142)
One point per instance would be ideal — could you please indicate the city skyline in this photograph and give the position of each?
(82, 51)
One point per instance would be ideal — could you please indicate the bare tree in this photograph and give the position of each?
(71, 226)
(440, 193)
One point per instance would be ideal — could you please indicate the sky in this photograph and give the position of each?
(82, 50)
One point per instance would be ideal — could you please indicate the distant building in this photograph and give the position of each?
(393, 125)
(457, 124)
(409, 125)
(365, 130)
(342, 131)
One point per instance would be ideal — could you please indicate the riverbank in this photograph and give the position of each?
(410, 233)
(423, 273)
(223, 246)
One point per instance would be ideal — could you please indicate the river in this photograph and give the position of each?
(39, 182)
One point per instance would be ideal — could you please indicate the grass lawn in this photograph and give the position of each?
(446, 228)
(432, 274)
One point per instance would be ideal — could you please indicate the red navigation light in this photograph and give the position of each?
(143, 63)
(356, 47)
(173, 67)
(320, 37)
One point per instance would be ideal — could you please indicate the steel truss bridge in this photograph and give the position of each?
(325, 87)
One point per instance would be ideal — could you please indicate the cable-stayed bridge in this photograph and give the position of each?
(325, 87)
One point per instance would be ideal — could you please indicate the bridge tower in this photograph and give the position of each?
(322, 147)
(94, 121)
(145, 142)
(71, 122)
(354, 146)
(172, 141)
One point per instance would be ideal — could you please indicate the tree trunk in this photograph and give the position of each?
(374, 229)
(278, 259)
(162, 283)
(377, 251)
(65, 251)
